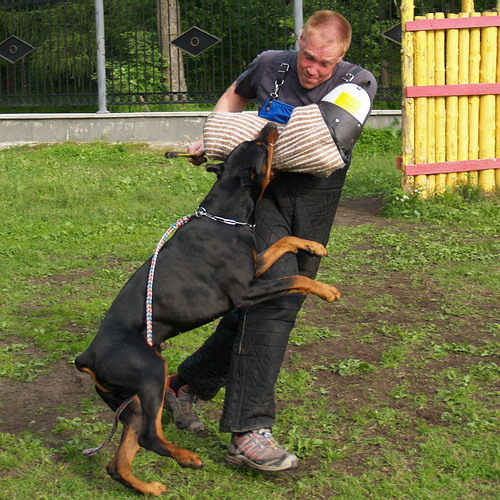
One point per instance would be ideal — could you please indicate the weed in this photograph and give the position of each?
(349, 367)
(406, 335)
(489, 349)
(485, 371)
(303, 334)
(394, 355)
(301, 445)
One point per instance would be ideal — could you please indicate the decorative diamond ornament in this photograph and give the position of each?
(194, 41)
(14, 49)
(394, 34)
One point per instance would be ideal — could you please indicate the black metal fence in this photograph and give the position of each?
(48, 47)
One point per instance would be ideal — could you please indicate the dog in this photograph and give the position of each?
(207, 268)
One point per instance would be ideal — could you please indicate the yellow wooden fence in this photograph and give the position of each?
(451, 105)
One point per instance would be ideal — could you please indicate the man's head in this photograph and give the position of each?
(322, 44)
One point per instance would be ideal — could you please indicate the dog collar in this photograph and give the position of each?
(201, 212)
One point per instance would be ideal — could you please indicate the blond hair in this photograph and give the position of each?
(339, 29)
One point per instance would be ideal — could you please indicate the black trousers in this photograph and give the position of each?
(246, 351)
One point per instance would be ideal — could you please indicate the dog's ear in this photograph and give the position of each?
(217, 169)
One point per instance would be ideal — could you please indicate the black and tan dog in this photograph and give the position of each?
(206, 269)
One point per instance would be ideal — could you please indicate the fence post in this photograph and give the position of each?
(408, 105)
(298, 20)
(101, 56)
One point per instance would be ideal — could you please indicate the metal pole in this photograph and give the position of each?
(298, 20)
(101, 56)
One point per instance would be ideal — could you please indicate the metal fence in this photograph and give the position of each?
(48, 47)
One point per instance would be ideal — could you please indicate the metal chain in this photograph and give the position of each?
(201, 212)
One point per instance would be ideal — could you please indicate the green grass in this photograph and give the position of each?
(389, 393)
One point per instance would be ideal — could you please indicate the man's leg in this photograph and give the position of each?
(294, 205)
(307, 208)
(257, 355)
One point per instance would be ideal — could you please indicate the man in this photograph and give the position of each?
(246, 351)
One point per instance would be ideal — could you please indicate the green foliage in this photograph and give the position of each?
(379, 141)
(461, 207)
(142, 69)
(348, 367)
(373, 169)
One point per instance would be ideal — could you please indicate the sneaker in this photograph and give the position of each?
(257, 449)
(181, 407)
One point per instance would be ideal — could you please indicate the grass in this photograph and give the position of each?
(391, 393)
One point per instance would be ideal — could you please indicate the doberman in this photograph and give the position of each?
(204, 270)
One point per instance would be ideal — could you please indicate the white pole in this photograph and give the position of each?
(298, 20)
(101, 56)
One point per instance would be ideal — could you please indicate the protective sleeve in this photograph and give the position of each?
(347, 108)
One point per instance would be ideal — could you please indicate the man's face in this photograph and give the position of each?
(317, 59)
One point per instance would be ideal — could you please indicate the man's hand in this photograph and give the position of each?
(197, 148)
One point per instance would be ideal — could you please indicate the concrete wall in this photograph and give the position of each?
(162, 129)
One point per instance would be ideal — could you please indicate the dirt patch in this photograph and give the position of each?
(357, 212)
(35, 406)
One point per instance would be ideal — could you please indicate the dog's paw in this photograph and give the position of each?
(314, 248)
(190, 460)
(331, 293)
(154, 488)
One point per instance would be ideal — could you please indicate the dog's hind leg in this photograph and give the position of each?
(139, 369)
(261, 290)
(120, 467)
(151, 394)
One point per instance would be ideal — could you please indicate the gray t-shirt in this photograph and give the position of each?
(257, 81)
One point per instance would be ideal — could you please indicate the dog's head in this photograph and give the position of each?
(251, 161)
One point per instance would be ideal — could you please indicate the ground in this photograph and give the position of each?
(35, 406)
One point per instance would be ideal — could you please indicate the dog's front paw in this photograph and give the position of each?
(189, 460)
(316, 249)
(154, 488)
(331, 294)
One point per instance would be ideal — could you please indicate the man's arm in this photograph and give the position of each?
(230, 102)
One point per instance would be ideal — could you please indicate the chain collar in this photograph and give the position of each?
(201, 212)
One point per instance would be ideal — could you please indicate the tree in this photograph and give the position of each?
(169, 29)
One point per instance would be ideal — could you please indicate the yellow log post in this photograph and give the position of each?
(463, 101)
(421, 136)
(487, 103)
(439, 73)
(452, 101)
(474, 65)
(467, 6)
(497, 127)
(407, 105)
(472, 101)
(431, 107)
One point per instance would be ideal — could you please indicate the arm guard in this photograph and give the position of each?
(345, 111)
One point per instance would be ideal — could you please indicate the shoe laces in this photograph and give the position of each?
(265, 438)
